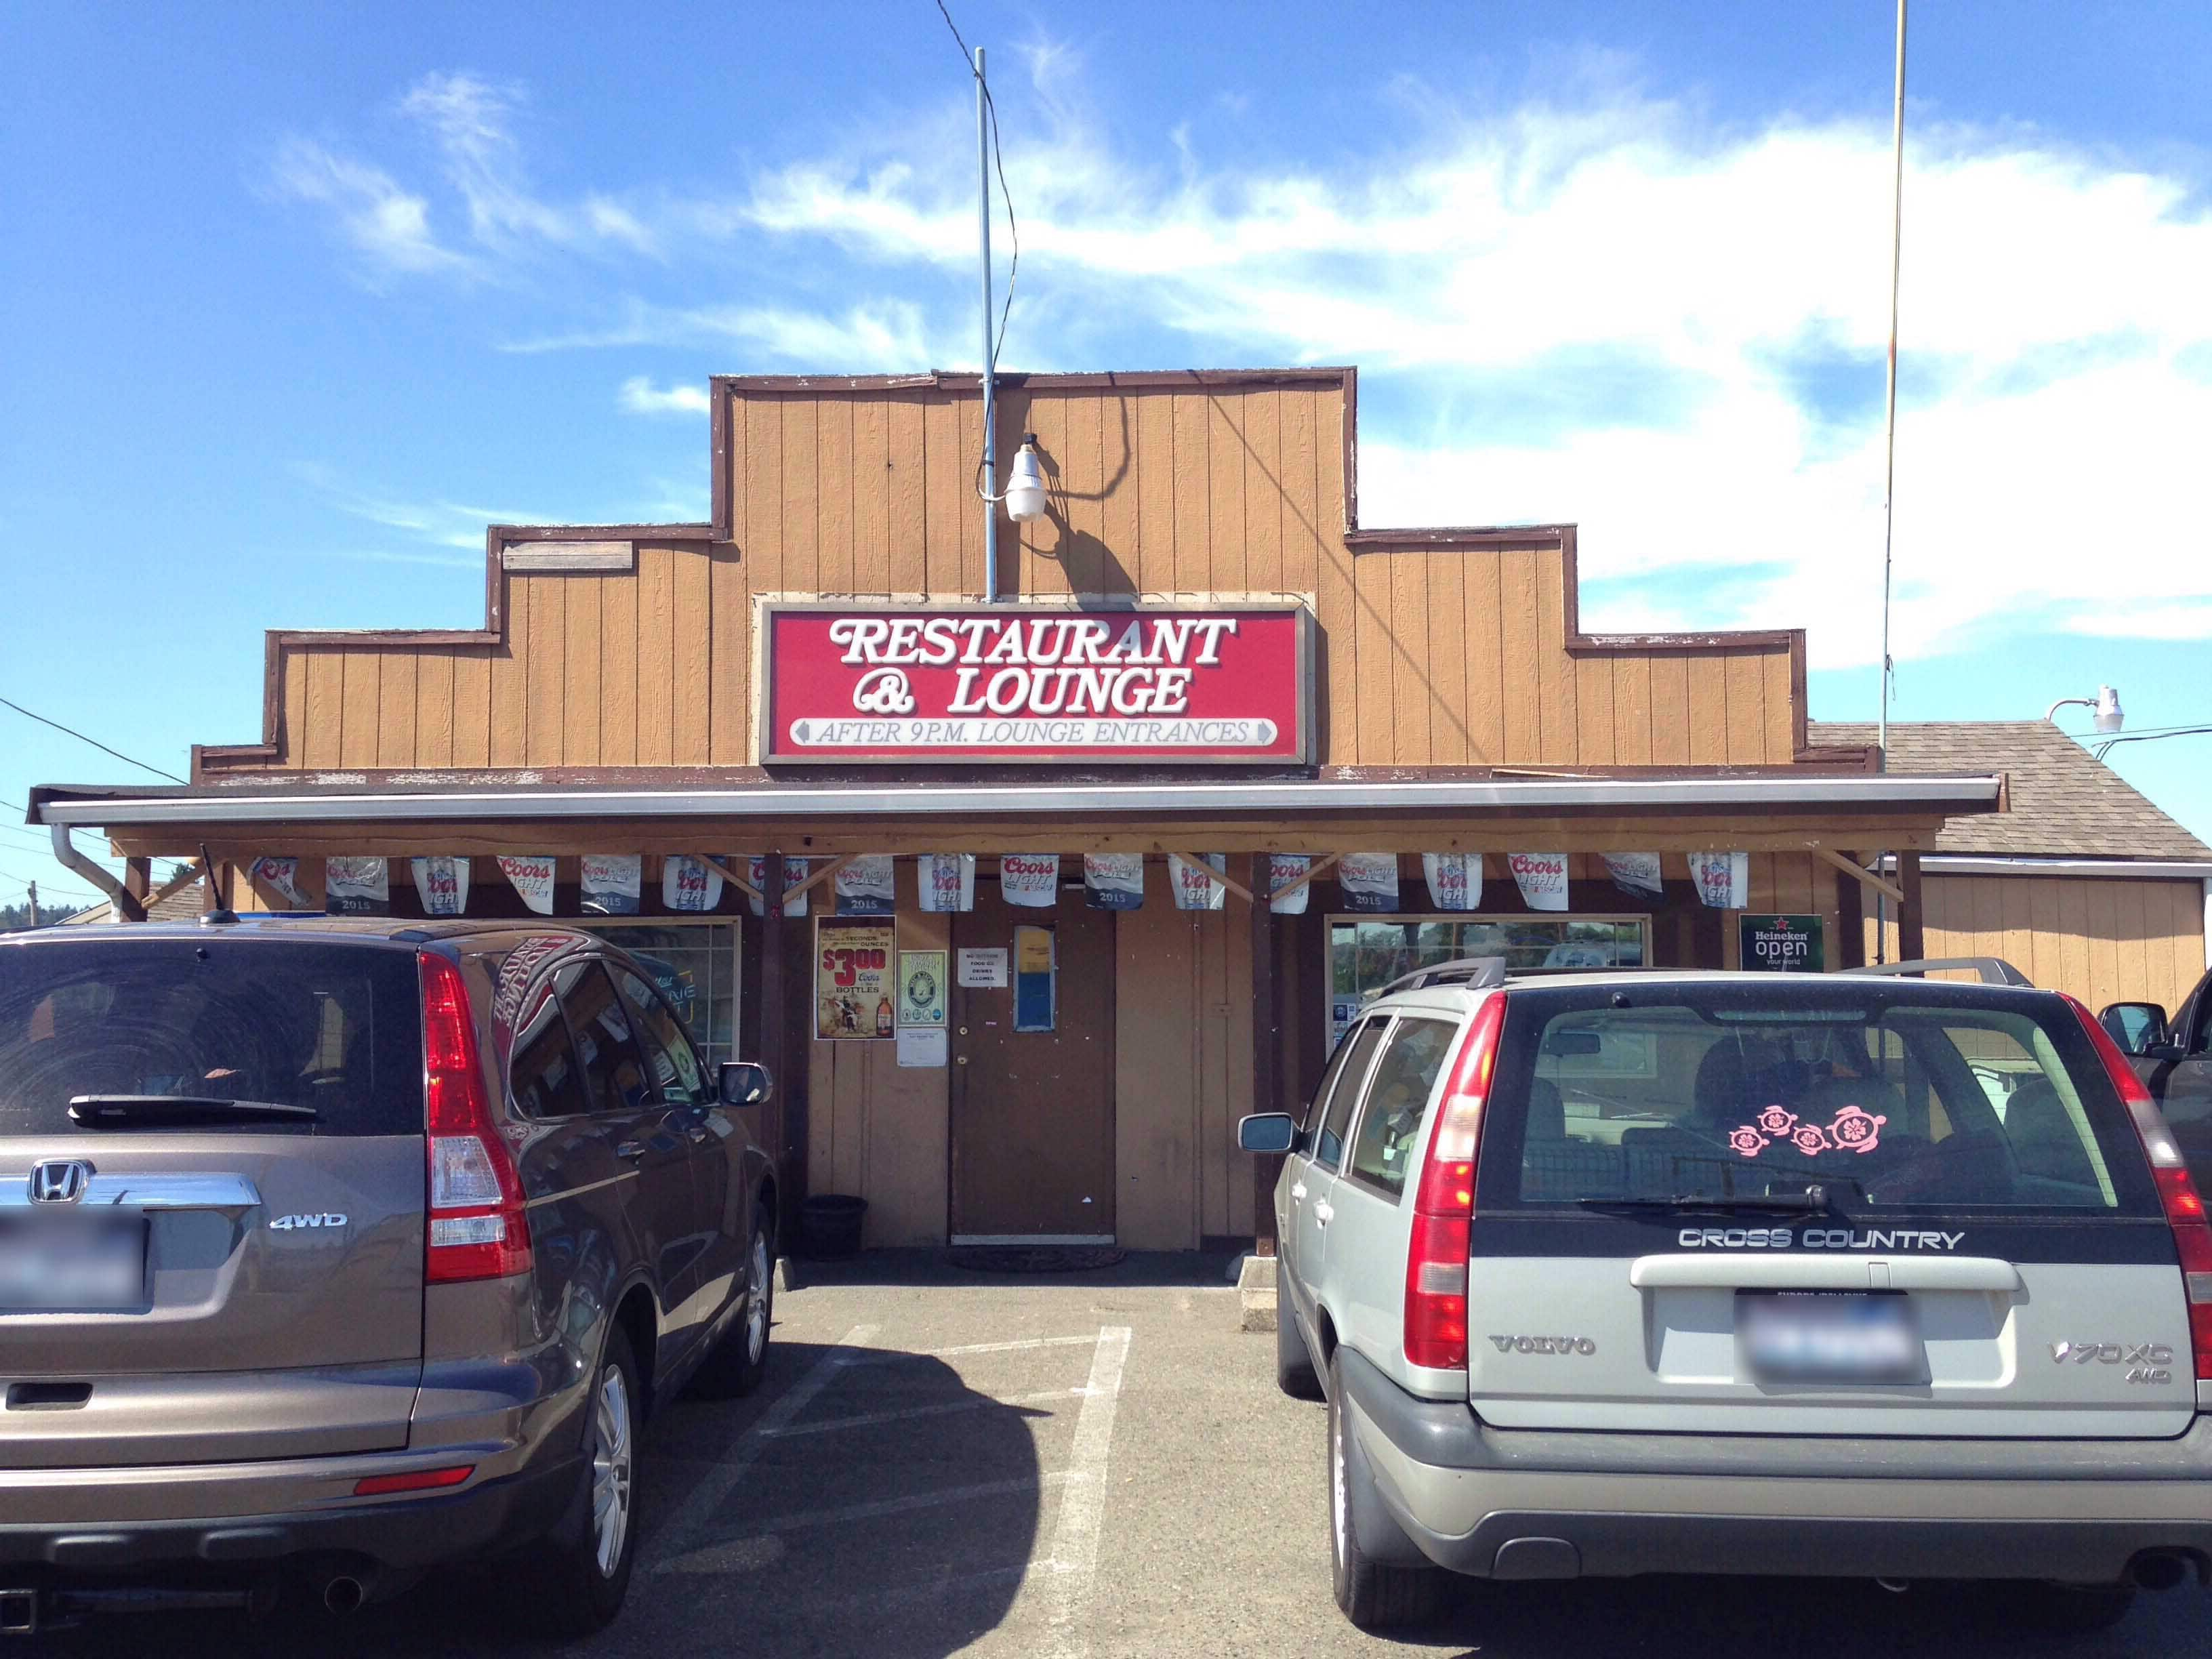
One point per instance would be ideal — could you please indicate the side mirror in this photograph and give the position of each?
(746, 1083)
(2137, 1027)
(1267, 1132)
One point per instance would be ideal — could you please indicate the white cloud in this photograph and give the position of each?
(640, 396)
(389, 225)
(1615, 312)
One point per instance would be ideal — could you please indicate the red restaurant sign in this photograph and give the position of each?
(994, 683)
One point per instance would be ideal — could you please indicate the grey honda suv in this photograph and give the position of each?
(331, 1250)
(1823, 1274)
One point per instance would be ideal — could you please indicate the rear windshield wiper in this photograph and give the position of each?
(160, 1111)
(1814, 1201)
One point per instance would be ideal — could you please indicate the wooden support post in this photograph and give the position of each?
(789, 1144)
(138, 878)
(1850, 920)
(1267, 1054)
(1911, 934)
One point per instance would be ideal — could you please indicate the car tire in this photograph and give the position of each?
(1375, 1596)
(1294, 1368)
(573, 1584)
(736, 1363)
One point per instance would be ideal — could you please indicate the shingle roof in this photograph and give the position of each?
(2065, 802)
(183, 905)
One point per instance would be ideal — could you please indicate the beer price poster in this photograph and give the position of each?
(855, 992)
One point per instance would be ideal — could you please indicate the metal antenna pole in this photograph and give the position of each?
(990, 398)
(1889, 484)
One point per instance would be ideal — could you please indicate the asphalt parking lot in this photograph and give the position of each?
(1080, 1466)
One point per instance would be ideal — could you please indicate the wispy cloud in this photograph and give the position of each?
(1602, 307)
(639, 396)
(439, 524)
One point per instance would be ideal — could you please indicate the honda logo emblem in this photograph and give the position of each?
(60, 1180)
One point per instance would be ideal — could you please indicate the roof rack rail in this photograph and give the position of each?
(1475, 973)
(1994, 970)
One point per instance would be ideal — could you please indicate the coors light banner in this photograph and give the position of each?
(963, 685)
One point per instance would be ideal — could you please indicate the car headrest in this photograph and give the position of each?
(1547, 1113)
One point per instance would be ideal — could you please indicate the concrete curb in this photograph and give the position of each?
(1255, 1294)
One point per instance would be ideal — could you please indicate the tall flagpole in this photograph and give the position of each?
(1889, 484)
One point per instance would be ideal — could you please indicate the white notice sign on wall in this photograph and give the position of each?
(922, 1045)
(983, 970)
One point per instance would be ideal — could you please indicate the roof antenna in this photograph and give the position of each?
(223, 915)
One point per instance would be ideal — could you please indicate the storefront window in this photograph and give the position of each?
(694, 966)
(1365, 953)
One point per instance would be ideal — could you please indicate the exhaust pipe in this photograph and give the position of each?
(1895, 1586)
(2157, 1569)
(343, 1594)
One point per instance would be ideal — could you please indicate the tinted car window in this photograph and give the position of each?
(541, 1073)
(1398, 1101)
(1318, 1106)
(296, 1022)
(614, 1071)
(1329, 1146)
(668, 1052)
(1734, 1091)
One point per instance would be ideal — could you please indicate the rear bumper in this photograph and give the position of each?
(1532, 1505)
(425, 1530)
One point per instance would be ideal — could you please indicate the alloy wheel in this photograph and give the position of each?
(611, 1472)
(756, 1300)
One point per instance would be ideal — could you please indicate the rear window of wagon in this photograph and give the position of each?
(1896, 1099)
(296, 1022)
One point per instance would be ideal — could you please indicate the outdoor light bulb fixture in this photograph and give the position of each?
(1024, 495)
(2109, 716)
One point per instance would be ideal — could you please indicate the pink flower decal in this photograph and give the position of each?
(1777, 1122)
(1811, 1139)
(1748, 1141)
(1856, 1130)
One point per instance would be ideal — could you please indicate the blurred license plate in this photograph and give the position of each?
(72, 1262)
(1828, 1337)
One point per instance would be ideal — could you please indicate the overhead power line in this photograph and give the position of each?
(94, 742)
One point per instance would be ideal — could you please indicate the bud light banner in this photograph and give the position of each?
(1723, 879)
(1194, 888)
(1113, 881)
(1636, 873)
(282, 877)
(357, 887)
(443, 885)
(960, 684)
(531, 877)
(1368, 881)
(614, 883)
(794, 871)
(1283, 869)
(947, 881)
(1030, 880)
(1455, 880)
(1542, 878)
(687, 885)
(866, 886)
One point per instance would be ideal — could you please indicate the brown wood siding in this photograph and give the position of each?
(1434, 651)
(2101, 938)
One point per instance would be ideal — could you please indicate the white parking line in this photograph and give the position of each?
(888, 1355)
(1073, 1563)
(944, 1408)
(716, 1487)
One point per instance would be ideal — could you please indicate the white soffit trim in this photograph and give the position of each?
(928, 800)
(1961, 864)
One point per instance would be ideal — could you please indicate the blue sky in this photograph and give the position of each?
(299, 297)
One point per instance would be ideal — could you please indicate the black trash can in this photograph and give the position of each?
(830, 1226)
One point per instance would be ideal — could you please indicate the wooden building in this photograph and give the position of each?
(1215, 658)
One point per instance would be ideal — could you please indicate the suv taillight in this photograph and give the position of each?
(478, 1227)
(1443, 1206)
(2185, 1209)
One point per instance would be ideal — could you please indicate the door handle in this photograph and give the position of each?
(631, 1151)
(1298, 1191)
(1324, 1212)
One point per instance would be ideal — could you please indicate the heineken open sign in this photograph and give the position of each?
(1783, 944)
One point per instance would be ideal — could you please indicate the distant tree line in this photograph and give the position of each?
(18, 914)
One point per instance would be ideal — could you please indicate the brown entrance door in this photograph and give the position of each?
(1033, 1111)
